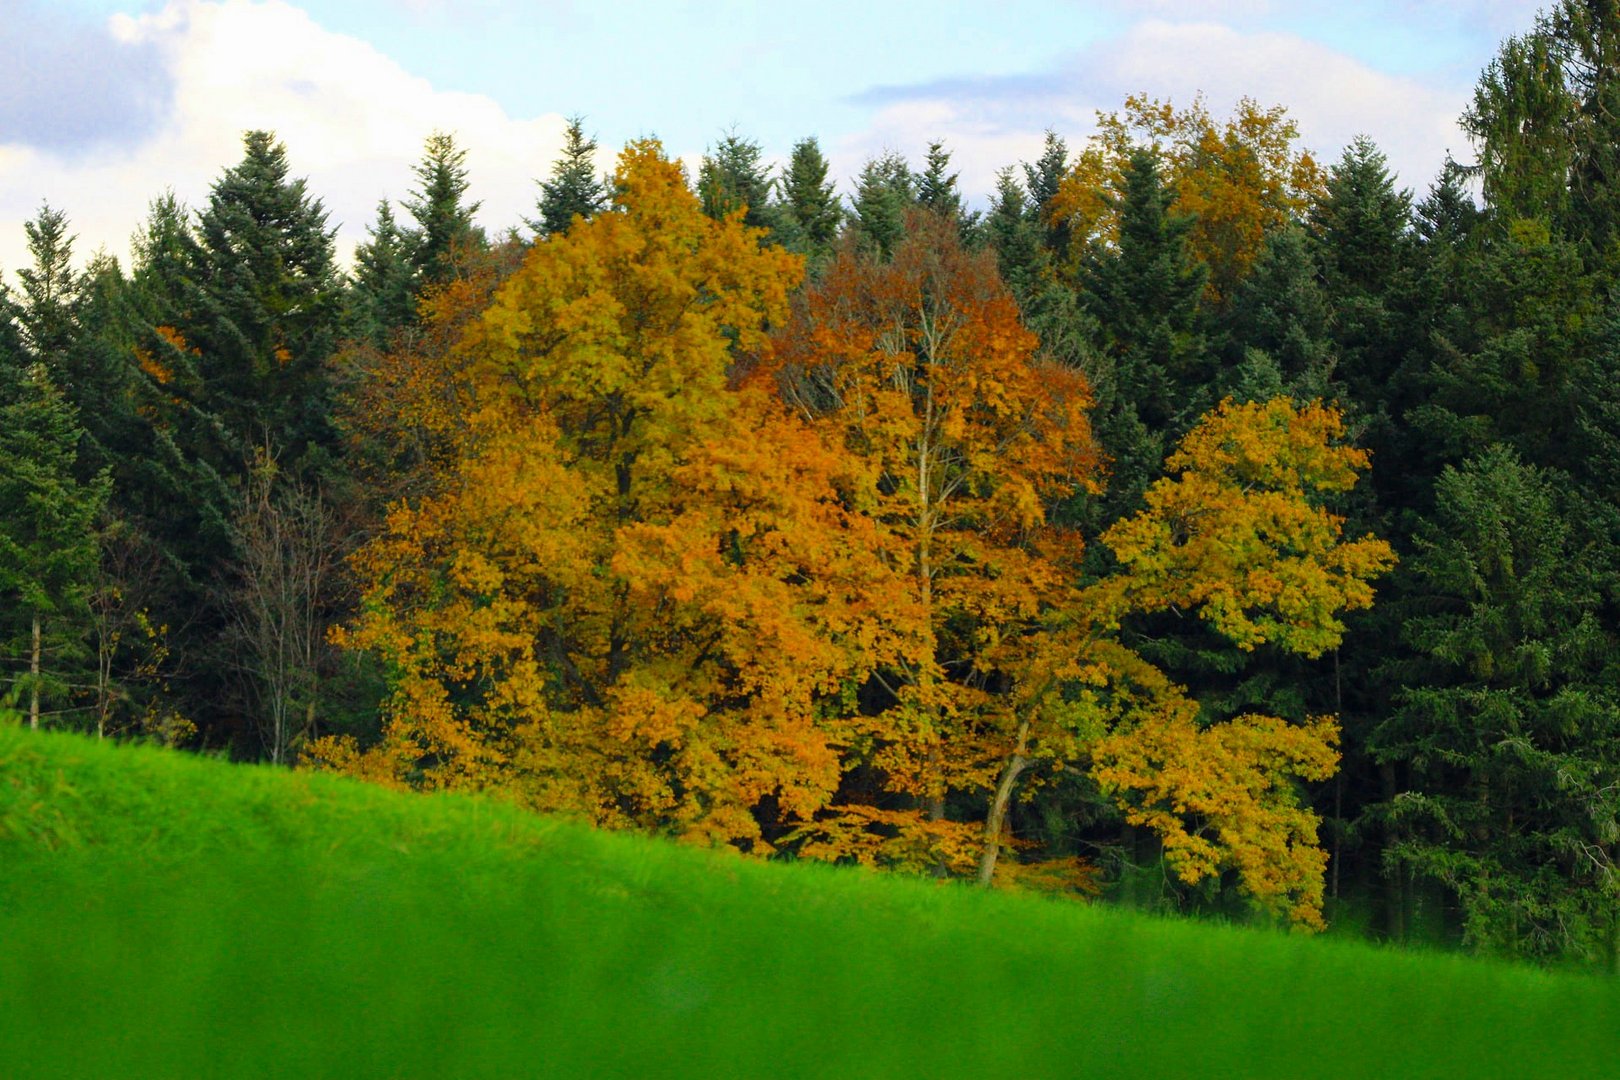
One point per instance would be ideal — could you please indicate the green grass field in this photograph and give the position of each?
(167, 916)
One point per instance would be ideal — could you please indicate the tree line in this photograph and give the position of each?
(1197, 524)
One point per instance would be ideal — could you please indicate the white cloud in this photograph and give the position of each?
(993, 122)
(353, 121)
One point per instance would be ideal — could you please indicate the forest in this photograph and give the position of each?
(1189, 524)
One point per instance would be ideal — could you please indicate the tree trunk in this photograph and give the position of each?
(998, 806)
(33, 681)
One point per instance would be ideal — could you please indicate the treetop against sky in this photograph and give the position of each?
(113, 101)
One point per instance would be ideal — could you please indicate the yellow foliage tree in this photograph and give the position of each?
(632, 586)
(1237, 179)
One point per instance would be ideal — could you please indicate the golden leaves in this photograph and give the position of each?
(1237, 179)
(1239, 532)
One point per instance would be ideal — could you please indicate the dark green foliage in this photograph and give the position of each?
(445, 233)
(48, 544)
(733, 177)
(575, 189)
(1362, 229)
(1518, 372)
(264, 305)
(1041, 180)
(1509, 723)
(938, 192)
(49, 290)
(1145, 296)
(809, 212)
(1013, 231)
(382, 298)
(1279, 325)
(884, 191)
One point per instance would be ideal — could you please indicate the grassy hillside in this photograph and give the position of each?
(162, 915)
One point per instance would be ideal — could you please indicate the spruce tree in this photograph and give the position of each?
(382, 298)
(808, 207)
(1508, 728)
(445, 232)
(48, 546)
(733, 177)
(884, 191)
(1041, 180)
(575, 188)
(50, 290)
(1279, 325)
(264, 305)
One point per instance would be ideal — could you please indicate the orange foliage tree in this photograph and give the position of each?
(921, 372)
(919, 369)
(632, 588)
(1237, 179)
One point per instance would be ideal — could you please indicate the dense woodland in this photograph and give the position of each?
(1198, 525)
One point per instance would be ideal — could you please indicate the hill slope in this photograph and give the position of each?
(162, 915)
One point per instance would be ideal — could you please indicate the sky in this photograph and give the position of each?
(108, 103)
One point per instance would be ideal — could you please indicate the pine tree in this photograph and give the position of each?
(445, 231)
(1362, 230)
(1280, 323)
(1042, 178)
(808, 208)
(1509, 724)
(938, 192)
(575, 188)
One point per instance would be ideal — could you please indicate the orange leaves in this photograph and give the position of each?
(1240, 533)
(628, 586)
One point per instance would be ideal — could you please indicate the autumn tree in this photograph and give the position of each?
(1236, 179)
(920, 370)
(628, 590)
(1237, 533)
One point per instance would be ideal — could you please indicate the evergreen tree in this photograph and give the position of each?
(575, 189)
(884, 191)
(1509, 726)
(1013, 233)
(809, 210)
(1145, 296)
(938, 192)
(48, 546)
(733, 177)
(1278, 327)
(49, 290)
(1362, 229)
(264, 305)
(1042, 178)
(382, 298)
(445, 231)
